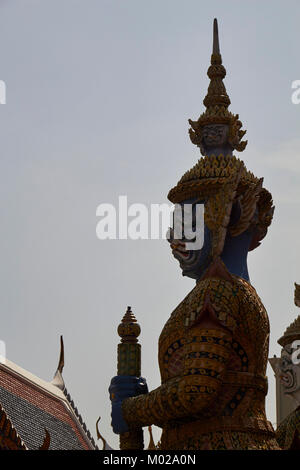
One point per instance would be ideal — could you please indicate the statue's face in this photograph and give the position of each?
(193, 262)
(215, 135)
(289, 372)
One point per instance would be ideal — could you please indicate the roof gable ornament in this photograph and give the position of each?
(58, 380)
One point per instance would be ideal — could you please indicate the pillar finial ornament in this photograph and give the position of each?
(129, 364)
(129, 329)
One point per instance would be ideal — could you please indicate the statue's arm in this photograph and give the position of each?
(205, 361)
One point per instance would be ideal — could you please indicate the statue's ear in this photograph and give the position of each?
(255, 242)
(248, 208)
(235, 217)
(258, 234)
(235, 213)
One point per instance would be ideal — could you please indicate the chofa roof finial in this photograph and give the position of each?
(58, 380)
(61, 361)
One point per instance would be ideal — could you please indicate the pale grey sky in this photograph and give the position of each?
(98, 97)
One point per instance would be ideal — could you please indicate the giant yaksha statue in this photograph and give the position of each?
(213, 350)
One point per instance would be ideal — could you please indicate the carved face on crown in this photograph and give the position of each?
(215, 140)
(215, 135)
(289, 373)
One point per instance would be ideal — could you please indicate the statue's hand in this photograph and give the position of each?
(122, 387)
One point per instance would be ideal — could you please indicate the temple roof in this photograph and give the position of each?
(33, 405)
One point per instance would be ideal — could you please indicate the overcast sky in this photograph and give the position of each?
(98, 97)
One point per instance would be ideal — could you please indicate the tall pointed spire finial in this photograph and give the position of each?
(216, 45)
(216, 102)
(216, 93)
